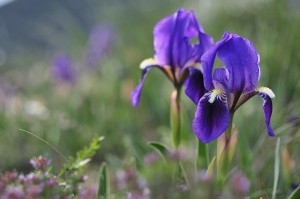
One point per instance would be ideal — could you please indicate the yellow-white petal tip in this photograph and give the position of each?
(148, 62)
(267, 91)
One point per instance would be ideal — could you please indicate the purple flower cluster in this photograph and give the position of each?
(41, 183)
(136, 187)
(218, 92)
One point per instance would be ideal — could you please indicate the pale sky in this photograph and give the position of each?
(3, 2)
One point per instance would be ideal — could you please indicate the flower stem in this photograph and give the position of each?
(229, 129)
(226, 145)
(176, 117)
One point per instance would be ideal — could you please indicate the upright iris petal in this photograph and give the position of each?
(228, 87)
(241, 60)
(174, 51)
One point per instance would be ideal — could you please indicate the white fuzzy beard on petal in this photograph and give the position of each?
(214, 94)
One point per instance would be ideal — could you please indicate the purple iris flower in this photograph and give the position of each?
(175, 51)
(62, 69)
(219, 92)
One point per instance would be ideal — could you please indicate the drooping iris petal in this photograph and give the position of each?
(242, 61)
(208, 59)
(268, 107)
(194, 86)
(136, 93)
(211, 119)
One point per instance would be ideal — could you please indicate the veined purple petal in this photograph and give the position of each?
(163, 34)
(208, 59)
(194, 85)
(172, 39)
(242, 61)
(220, 78)
(206, 42)
(136, 93)
(211, 119)
(195, 31)
(268, 107)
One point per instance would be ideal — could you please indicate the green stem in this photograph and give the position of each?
(229, 129)
(176, 117)
(226, 145)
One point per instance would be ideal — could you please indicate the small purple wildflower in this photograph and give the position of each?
(87, 193)
(100, 41)
(9, 177)
(151, 158)
(13, 192)
(40, 162)
(176, 155)
(239, 184)
(63, 69)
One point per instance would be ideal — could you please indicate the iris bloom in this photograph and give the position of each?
(175, 51)
(63, 69)
(219, 92)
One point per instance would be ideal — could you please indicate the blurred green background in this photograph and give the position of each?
(105, 41)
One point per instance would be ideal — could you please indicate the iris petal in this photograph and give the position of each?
(194, 86)
(208, 60)
(268, 107)
(211, 119)
(163, 33)
(136, 93)
(242, 61)
(172, 37)
(220, 79)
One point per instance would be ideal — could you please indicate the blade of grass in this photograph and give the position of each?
(276, 168)
(295, 194)
(55, 149)
(160, 148)
(103, 182)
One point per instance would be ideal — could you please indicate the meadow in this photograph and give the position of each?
(67, 79)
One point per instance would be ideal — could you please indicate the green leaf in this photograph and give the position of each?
(82, 158)
(103, 182)
(201, 158)
(295, 194)
(211, 167)
(276, 168)
(226, 147)
(160, 148)
(183, 175)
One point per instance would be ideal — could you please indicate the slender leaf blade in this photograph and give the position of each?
(160, 148)
(295, 194)
(103, 182)
(276, 168)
